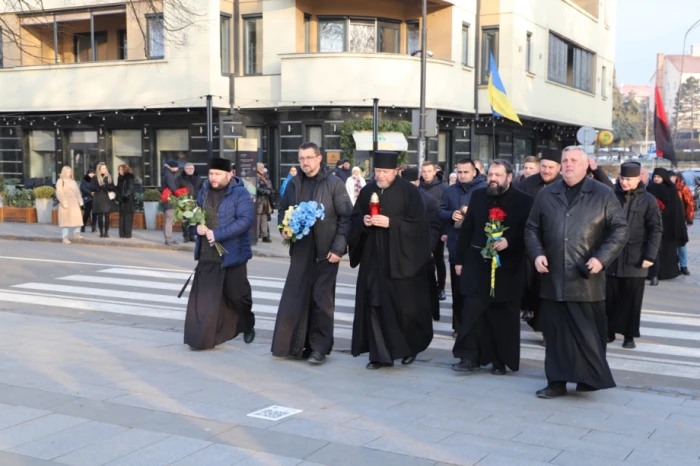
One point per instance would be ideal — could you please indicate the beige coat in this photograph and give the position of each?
(70, 200)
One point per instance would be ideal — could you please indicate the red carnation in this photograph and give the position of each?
(166, 194)
(662, 206)
(181, 192)
(497, 214)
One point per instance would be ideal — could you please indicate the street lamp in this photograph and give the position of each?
(680, 84)
(423, 74)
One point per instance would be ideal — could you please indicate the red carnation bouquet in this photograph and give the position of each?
(187, 210)
(662, 206)
(494, 230)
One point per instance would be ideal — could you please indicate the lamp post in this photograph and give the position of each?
(423, 74)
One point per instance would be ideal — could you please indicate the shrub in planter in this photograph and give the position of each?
(21, 198)
(151, 195)
(44, 196)
(44, 192)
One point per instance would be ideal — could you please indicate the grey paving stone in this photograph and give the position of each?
(266, 459)
(630, 425)
(691, 403)
(103, 411)
(85, 390)
(506, 447)
(389, 424)
(504, 460)
(63, 442)
(265, 441)
(448, 423)
(187, 426)
(661, 454)
(611, 438)
(216, 455)
(508, 424)
(112, 448)
(32, 397)
(162, 453)
(552, 440)
(452, 454)
(36, 428)
(579, 459)
(14, 415)
(693, 420)
(13, 459)
(579, 418)
(330, 433)
(336, 454)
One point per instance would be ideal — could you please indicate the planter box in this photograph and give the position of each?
(54, 217)
(138, 223)
(43, 210)
(18, 214)
(160, 223)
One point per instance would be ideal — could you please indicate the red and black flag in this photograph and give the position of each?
(662, 132)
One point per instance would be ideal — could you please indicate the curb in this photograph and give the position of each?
(135, 245)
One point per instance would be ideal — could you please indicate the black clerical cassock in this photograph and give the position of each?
(392, 306)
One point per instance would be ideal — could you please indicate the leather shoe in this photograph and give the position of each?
(248, 337)
(442, 296)
(266, 240)
(498, 368)
(408, 360)
(611, 338)
(316, 358)
(553, 390)
(464, 365)
(685, 271)
(372, 365)
(654, 281)
(629, 343)
(584, 388)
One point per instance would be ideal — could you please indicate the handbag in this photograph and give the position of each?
(111, 195)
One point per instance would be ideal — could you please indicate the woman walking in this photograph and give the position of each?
(103, 201)
(70, 201)
(354, 184)
(675, 231)
(125, 194)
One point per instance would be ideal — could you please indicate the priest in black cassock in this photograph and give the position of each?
(392, 304)
(221, 301)
(432, 208)
(576, 228)
(490, 331)
(624, 287)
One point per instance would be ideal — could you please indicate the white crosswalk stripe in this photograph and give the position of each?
(668, 345)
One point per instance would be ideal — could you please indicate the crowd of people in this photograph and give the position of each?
(559, 245)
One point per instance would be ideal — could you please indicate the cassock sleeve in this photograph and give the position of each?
(616, 225)
(358, 230)
(433, 211)
(409, 237)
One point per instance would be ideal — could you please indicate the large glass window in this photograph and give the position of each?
(465, 44)
(156, 36)
(412, 37)
(528, 51)
(126, 149)
(489, 46)
(569, 64)
(123, 45)
(307, 33)
(1, 41)
(358, 35)
(331, 36)
(483, 148)
(42, 155)
(315, 134)
(363, 36)
(253, 45)
(82, 46)
(225, 43)
(389, 37)
(171, 144)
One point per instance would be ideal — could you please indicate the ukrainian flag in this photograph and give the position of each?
(500, 104)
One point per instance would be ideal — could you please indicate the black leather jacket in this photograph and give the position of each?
(593, 225)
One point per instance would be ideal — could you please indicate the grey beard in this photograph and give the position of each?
(496, 190)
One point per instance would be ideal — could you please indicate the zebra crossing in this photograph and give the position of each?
(668, 345)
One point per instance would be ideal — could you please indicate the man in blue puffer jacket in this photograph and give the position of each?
(220, 303)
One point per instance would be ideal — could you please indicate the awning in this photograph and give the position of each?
(387, 141)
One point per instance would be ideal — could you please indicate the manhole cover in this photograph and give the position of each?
(274, 413)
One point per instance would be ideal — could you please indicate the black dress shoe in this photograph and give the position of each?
(685, 271)
(553, 390)
(584, 388)
(465, 365)
(266, 240)
(102, 235)
(611, 338)
(106, 235)
(372, 365)
(498, 368)
(317, 358)
(248, 337)
(654, 281)
(408, 360)
(629, 343)
(442, 296)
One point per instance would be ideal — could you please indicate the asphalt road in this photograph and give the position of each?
(139, 287)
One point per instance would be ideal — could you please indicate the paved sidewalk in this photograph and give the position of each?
(81, 393)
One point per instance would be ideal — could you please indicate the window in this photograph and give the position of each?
(1, 40)
(604, 83)
(171, 144)
(126, 148)
(122, 45)
(570, 65)
(443, 146)
(331, 36)
(412, 37)
(389, 34)
(252, 45)
(307, 33)
(42, 155)
(315, 134)
(489, 46)
(82, 46)
(528, 51)
(363, 36)
(465, 44)
(225, 41)
(483, 148)
(156, 36)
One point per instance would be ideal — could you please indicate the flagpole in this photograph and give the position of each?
(493, 128)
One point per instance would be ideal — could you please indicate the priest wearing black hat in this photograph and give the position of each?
(220, 302)
(624, 288)
(390, 241)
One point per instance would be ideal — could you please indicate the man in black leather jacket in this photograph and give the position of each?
(576, 228)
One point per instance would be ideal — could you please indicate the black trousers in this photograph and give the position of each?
(87, 213)
(457, 299)
(439, 255)
(103, 222)
(126, 222)
(186, 232)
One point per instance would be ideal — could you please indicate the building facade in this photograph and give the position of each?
(126, 83)
(672, 71)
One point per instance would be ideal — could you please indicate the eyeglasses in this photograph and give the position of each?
(306, 159)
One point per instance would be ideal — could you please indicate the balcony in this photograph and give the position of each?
(308, 79)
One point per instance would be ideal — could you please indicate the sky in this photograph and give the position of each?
(648, 27)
